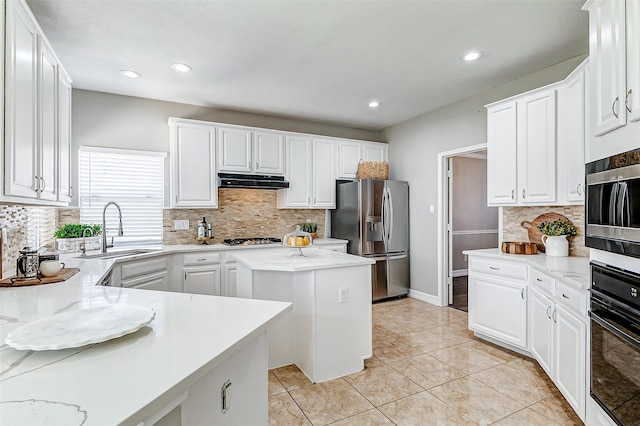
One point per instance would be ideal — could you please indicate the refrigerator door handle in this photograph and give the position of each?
(390, 209)
(383, 210)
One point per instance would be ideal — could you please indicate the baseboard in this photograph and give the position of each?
(429, 298)
(460, 273)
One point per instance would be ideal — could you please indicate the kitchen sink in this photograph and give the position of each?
(115, 254)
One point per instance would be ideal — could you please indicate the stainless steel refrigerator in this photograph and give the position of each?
(373, 215)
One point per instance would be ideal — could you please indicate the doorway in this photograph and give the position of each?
(465, 222)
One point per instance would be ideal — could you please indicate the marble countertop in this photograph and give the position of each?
(572, 270)
(314, 258)
(118, 381)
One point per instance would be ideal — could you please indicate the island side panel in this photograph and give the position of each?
(342, 329)
(247, 403)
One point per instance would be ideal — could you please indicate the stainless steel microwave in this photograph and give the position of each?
(613, 204)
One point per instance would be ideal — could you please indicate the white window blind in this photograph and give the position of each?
(134, 180)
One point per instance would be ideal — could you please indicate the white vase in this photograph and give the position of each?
(556, 245)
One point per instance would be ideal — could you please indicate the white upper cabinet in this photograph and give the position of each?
(350, 152)
(268, 153)
(65, 190)
(193, 175)
(37, 120)
(311, 174)
(572, 136)
(234, 150)
(521, 149)
(614, 52)
(536, 131)
(501, 154)
(324, 182)
(247, 150)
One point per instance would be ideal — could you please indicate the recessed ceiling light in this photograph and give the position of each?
(374, 104)
(181, 67)
(471, 56)
(130, 74)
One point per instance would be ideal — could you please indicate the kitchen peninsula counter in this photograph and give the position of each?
(328, 333)
(181, 359)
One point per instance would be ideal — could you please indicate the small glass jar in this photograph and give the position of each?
(297, 240)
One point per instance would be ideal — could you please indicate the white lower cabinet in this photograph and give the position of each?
(497, 303)
(149, 274)
(202, 280)
(229, 278)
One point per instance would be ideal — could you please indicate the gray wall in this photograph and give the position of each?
(469, 209)
(413, 152)
(116, 121)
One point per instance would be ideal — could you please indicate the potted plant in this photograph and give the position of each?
(555, 236)
(310, 227)
(69, 237)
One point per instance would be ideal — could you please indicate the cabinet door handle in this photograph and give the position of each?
(539, 280)
(36, 185)
(565, 296)
(555, 315)
(256, 165)
(522, 293)
(579, 189)
(494, 268)
(626, 100)
(44, 183)
(70, 190)
(513, 194)
(201, 260)
(523, 196)
(613, 106)
(549, 312)
(308, 200)
(314, 200)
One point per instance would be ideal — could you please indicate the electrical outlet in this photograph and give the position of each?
(432, 208)
(343, 294)
(181, 224)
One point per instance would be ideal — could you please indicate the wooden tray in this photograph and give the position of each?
(535, 235)
(64, 274)
(519, 248)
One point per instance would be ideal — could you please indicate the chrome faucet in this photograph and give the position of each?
(104, 226)
(83, 244)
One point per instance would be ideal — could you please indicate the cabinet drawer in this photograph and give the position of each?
(571, 298)
(142, 267)
(201, 258)
(542, 281)
(498, 267)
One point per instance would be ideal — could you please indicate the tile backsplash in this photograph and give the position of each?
(240, 213)
(512, 230)
(23, 226)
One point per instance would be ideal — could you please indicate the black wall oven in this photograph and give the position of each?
(613, 204)
(615, 342)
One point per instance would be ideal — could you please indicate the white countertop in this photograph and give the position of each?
(314, 258)
(114, 380)
(572, 270)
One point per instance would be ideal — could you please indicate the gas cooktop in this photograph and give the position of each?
(251, 241)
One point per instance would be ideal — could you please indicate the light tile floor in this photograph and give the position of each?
(427, 369)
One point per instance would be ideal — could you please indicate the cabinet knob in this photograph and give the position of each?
(70, 190)
(626, 100)
(613, 106)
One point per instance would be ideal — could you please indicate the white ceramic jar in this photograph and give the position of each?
(556, 245)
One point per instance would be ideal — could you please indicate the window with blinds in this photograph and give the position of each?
(40, 226)
(134, 180)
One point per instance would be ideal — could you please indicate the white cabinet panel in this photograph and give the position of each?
(323, 166)
(606, 48)
(21, 151)
(234, 150)
(65, 190)
(193, 176)
(501, 154)
(47, 83)
(498, 308)
(349, 154)
(268, 153)
(230, 280)
(632, 96)
(202, 280)
(536, 131)
(571, 359)
(541, 329)
(298, 173)
(375, 151)
(158, 281)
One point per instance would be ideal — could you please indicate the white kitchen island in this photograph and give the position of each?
(328, 333)
(173, 369)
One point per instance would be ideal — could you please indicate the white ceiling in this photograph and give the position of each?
(315, 60)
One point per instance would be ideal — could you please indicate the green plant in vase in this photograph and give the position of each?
(555, 236)
(310, 227)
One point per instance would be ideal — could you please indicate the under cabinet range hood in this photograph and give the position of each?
(233, 180)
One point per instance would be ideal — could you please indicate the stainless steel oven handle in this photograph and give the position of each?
(613, 200)
(613, 329)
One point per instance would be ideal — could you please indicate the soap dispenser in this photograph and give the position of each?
(202, 228)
